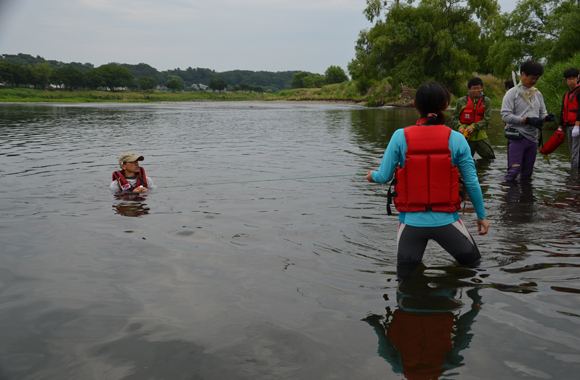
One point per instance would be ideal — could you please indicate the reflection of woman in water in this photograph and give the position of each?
(427, 331)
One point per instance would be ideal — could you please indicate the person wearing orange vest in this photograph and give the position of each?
(570, 115)
(471, 117)
(131, 178)
(426, 160)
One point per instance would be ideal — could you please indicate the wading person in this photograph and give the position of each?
(426, 160)
(570, 117)
(524, 112)
(131, 178)
(471, 118)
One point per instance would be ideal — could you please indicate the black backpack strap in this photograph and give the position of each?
(390, 196)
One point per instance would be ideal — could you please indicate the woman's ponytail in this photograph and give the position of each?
(431, 100)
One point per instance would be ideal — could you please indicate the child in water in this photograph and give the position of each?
(426, 160)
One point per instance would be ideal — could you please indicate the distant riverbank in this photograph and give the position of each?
(26, 95)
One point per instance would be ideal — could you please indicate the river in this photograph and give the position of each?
(264, 254)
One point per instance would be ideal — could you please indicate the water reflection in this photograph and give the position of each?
(424, 336)
(131, 205)
(519, 202)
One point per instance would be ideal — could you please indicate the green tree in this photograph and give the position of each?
(302, 80)
(116, 76)
(552, 85)
(435, 40)
(218, 84)
(335, 74)
(173, 84)
(535, 29)
(244, 87)
(42, 72)
(258, 89)
(319, 80)
(69, 77)
(147, 83)
(94, 80)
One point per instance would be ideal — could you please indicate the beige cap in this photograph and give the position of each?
(129, 157)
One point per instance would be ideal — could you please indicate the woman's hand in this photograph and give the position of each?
(482, 226)
(370, 176)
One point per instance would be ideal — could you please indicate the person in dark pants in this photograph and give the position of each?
(524, 112)
(570, 115)
(426, 160)
(471, 118)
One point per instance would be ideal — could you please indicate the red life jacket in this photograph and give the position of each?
(570, 111)
(428, 180)
(469, 115)
(423, 340)
(124, 185)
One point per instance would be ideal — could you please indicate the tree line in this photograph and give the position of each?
(28, 65)
(447, 40)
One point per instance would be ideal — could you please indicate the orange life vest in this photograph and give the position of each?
(124, 185)
(570, 110)
(471, 115)
(428, 181)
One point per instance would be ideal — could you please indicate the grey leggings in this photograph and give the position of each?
(454, 238)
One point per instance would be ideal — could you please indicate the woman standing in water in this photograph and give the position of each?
(426, 160)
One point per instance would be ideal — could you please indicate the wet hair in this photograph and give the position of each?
(530, 67)
(572, 72)
(508, 84)
(432, 98)
(474, 82)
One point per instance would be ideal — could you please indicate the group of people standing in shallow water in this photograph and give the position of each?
(424, 161)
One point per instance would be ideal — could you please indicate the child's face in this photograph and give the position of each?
(475, 91)
(572, 82)
(529, 80)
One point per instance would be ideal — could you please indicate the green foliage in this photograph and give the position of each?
(147, 83)
(173, 84)
(67, 76)
(116, 77)
(552, 85)
(436, 40)
(303, 79)
(42, 73)
(536, 29)
(218, 84)
(335, 74)
(93, 80)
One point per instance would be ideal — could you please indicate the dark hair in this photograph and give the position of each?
(530, 67)
(474, 82)
(432, 98)
(572, 72)
(508, 84)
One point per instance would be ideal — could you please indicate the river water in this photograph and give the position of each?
(263, 255)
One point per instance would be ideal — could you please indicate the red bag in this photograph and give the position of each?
(554, 142)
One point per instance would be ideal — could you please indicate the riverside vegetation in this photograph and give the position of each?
(402, 49)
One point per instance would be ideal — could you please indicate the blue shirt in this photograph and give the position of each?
(460, 158)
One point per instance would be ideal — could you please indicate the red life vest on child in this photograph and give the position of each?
(428, 181)
(124, 185)
(570, 110)
(469, 115)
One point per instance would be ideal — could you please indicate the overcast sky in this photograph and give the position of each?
(270, 35)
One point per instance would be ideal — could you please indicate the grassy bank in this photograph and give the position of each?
(378, 94)
(25, 95)
(344, 92)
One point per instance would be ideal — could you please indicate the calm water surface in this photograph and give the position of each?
(263, 255)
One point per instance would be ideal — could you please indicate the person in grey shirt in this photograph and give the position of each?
(131, 178)
(524, 112)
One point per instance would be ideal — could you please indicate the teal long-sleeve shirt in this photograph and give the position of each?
(460, 158)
